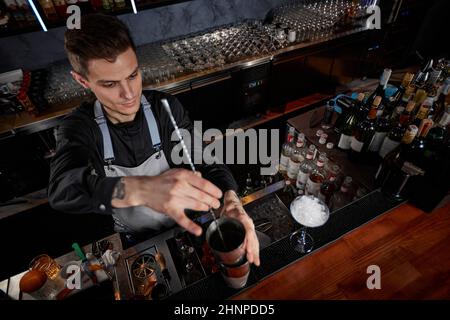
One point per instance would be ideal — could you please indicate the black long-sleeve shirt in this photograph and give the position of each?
(78, 183)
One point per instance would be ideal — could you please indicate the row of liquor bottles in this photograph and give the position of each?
(369, 128)
(17, 14)
(308, 171)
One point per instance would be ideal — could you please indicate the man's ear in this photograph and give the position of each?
(80, 79)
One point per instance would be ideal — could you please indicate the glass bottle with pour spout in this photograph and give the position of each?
(316, 177)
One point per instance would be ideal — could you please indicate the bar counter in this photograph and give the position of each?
(411, 247)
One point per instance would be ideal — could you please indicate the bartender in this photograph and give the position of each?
(113, 154)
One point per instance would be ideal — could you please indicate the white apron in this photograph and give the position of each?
(135, 219)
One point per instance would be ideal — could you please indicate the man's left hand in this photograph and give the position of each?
(233, 208)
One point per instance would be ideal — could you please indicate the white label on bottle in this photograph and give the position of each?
(284, 160)
(344, 142)
(377, 141)
(387, 146)
(292, 169)
(313, 188)
(356, 145)
(301, 179)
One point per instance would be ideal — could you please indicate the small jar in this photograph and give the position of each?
(292, 35)
(319, 132)
(323, 138)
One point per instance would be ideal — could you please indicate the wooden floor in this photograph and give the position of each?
(412, 249)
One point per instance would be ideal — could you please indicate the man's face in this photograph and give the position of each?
(117, 85)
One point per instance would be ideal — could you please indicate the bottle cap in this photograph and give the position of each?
(330, 145)
(319, 132)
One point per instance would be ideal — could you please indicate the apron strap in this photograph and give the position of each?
(108, 153)
(151, 123)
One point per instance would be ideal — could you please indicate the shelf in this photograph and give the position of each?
(141, 5)
(24, 123)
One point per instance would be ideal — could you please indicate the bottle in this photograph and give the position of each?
(424, 110)
(49, 10)
(316, 177)
(15, 14)
(286, 151)
(305, 169)
(397, 97)
(297, 157)
(119, 4)
(394, 137)
(442, 99)
(437, 134)
(382, 127)
(61, 8)
(327, 116)
(362, 109)
(289, 193)
(327, 190)
(346, 105)
(405, 117)
(248, 186)
(415, 151)
(379, 91)
(363, 133)
(348, 126)
(23, 7)
(342, 197)
(394, 155)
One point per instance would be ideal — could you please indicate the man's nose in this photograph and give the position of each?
(127, 91)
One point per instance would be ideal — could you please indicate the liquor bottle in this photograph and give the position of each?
(362, 109)
(61, 8)
(327, 116)
(286, 151)
(327, 190)
(424, 110)
(317, 176)
(415, 151)
(343, 196)
(16, 14)
(119, 4)
(382, 127)
(297, 157)
(248, 186)
(398, 95)
(394, 155)
(364, 133)
(346, 105)
(379, 91)
(348, 126)
(443, 99)
(394, 137)
(24, 7)
(305, 169)
(437, 134)
(405, 117)
(49, 10)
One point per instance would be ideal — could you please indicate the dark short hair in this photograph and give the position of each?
(100, 37)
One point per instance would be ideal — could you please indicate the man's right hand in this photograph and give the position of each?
(170, 193)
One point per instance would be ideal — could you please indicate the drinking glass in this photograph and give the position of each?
(302, 241)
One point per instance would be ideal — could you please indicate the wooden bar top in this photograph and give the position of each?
(411, 248)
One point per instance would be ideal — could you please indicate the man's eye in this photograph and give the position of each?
(109, 84)
(133, 76)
